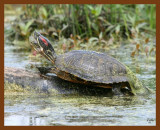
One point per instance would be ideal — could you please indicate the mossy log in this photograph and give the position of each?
(28, 81)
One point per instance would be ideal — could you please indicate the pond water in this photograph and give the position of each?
(83, 110)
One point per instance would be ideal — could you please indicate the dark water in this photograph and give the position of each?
(84, 110)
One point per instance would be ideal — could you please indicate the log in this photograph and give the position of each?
(33, 81)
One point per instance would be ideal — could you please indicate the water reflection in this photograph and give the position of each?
(79, 110)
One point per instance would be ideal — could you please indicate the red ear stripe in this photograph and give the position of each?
(45, 42)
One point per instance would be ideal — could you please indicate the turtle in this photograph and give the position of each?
(88, 67)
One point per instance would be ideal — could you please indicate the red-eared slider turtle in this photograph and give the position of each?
(88, 67)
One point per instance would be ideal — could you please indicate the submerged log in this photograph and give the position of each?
(33, 81)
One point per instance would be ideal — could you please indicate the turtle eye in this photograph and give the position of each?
(44, 41)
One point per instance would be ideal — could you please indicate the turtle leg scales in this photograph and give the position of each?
(44, 70)
(116, 90)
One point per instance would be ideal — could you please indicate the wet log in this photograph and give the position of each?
(48, 84)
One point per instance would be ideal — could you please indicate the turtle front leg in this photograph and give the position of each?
(44, 70)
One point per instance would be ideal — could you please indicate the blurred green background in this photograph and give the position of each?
(93, 27)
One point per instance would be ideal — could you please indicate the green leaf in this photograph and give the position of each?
(44, 12)
(28, 25)
(117, 29)
(90, 7)
(93, 39)
(109, 28)
(100, 35)
(95, 27)
(64, 27)
(98, 10)
(141, 25)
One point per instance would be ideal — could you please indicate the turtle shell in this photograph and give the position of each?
(92, 66)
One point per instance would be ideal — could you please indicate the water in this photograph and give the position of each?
(18, 60)
(76, 110)
(73, 110)
(80, 110)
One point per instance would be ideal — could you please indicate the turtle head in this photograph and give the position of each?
(43, 46)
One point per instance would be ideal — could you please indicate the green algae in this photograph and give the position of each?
(14, 89)
(136, 85)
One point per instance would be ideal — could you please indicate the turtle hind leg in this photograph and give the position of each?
(116, 89)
